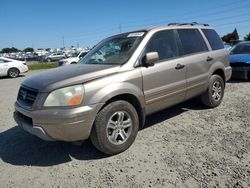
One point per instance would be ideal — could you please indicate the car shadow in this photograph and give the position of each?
(238, 80)
(6, 77)
(168, 113)
(20, 148)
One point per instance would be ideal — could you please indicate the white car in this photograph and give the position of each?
(11, 67)
(73, 59)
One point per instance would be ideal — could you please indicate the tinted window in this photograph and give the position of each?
(163, 42)
(241, 49)
(213, 39)
(192, 41)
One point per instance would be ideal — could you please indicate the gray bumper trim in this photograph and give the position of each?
(34, 130)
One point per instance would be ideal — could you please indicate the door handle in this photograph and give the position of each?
(179, 66)
(209, 59)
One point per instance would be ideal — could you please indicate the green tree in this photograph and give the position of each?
(247, 37)
(10, 50)
(28, 49)
(231, 37)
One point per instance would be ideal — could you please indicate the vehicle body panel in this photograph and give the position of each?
(155, 88)
(6, 64)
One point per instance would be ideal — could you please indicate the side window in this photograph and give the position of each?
(213, 39)
(4, 61)
(163, 42)
(192, 41)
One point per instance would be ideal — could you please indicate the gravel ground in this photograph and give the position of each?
(183, 146)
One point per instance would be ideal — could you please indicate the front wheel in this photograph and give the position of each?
(214, 93)
(115, 127)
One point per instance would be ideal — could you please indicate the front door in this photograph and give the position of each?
(164, 84)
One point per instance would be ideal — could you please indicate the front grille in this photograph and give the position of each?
(27, 96)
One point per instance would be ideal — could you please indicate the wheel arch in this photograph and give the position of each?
(13, 68)
(221, 73)
(133, 100)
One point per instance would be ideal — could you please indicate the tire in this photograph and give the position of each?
(73, 63)
(110, 134)
(49, 60)
(214, 93)
(13, 72)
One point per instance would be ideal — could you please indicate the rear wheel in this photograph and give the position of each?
(49, 60)
(115, 127)
(13, 72)
(215, 92)
(73, 63)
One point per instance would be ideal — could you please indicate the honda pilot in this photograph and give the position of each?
(108, 94)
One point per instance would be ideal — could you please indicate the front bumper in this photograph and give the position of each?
(64, 124)
(241, 72)
(228, 72)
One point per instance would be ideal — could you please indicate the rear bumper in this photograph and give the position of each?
(24, 69)
(63, 124)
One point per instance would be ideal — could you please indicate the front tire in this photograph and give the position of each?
(214, 93)
(13, 72)
(115, 127)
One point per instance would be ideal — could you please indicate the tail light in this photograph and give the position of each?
(24, 63)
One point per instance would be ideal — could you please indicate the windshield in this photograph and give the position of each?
(241, 49)
(114, 50)
(75, 54)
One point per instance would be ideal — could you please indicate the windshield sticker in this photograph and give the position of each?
(138, 34)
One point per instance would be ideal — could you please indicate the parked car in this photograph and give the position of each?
(75, 57)
(126, 77)
(54, 56)
(240, 60)
(228, 46)
(12, 68)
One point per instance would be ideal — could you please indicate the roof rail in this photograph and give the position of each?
(192, 23)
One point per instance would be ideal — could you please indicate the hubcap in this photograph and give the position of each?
(119, 127)
(13, 73)
(216, 91)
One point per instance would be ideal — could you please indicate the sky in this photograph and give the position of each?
(58, 23)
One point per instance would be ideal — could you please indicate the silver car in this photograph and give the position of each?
(126, 77)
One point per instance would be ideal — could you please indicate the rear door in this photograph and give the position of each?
(195, 55)
(4, 66)
(164, 84)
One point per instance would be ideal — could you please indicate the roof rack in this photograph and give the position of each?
(192, 23)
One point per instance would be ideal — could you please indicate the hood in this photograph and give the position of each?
(240, 58)
(69, 75)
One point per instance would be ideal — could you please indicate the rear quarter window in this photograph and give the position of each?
(213, 39)
(191, 41)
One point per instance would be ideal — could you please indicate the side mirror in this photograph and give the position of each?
(149, 59)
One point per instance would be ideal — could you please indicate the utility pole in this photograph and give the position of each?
(63, 41)
(120, 28)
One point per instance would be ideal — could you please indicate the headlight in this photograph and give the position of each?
(68, 96)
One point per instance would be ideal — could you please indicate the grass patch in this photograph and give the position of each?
(38, 66)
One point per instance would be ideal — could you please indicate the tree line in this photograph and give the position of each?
(13, 50)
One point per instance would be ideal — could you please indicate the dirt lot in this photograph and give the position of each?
(184, 146)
